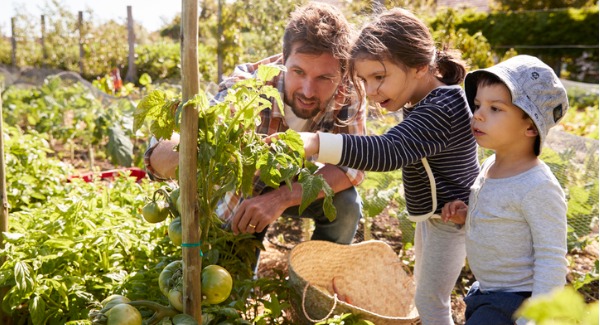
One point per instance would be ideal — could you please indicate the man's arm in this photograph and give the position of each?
(163, 159)
(256, 213)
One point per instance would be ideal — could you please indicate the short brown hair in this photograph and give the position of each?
(319, 28)
(485, 79)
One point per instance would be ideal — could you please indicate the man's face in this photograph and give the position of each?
(310, 82)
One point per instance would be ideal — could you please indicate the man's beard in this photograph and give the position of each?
(304, 114)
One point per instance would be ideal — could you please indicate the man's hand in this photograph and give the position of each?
(253, 215)
(455, 211)
(164, 160)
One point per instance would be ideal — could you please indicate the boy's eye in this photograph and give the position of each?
(475, 107)
(495, 109)
(379, 78)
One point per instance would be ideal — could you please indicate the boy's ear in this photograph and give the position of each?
(531, 131)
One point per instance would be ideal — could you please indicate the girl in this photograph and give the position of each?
(395, 62)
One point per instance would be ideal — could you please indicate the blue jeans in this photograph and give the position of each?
(492, 307)
(342, 229)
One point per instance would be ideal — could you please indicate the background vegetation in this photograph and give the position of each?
(71, 244)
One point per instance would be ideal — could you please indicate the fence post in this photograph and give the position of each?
(13, 41)
(4, 318)
(80, 29)
(131, 70)
(44, 52)
(219, 41)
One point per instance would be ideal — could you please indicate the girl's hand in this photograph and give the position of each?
(455, 211)
(311, 143)
(310, 140)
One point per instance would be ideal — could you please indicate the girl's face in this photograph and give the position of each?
(387, 83)
(497, 124)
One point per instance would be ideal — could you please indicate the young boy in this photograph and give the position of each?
(516, 225)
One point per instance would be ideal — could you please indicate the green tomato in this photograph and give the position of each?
(123, 314)
(185, 319)
(178, 204)
(175, 231)
(155, 212)
(170, 283)
(175, 298)
(174, 196)
(216, 284)
(112, 301)
(170, 276)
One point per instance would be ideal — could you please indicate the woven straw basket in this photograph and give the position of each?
(365, 279)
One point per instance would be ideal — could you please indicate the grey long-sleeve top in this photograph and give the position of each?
(517, 231)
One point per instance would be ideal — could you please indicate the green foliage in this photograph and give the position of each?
(474, 48)
(160, 60)
(582, 119)
(537, 5)
(70, 114)
(563, 306)
(73, 251)
(34, 178)
(504, 30)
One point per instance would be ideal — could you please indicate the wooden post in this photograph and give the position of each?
(192, 262)
(4, 318)
(13, 41)
(80, 29)
(220, 42)
(131, 71)
(43, 39)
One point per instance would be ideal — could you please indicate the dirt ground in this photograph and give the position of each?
(286, 233)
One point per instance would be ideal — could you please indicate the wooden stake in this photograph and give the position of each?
(4, 318)
(192, 261)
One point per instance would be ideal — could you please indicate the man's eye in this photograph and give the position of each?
(379, 78)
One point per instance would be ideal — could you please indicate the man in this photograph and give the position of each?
(315, 91)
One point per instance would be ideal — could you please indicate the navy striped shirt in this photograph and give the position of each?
(437, 128)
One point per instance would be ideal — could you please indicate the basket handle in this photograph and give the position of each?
(335, 300)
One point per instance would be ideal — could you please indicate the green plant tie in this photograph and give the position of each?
(193, 245)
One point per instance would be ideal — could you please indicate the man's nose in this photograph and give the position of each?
(308, 89)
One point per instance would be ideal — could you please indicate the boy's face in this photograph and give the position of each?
(497, 124)
(310, 82)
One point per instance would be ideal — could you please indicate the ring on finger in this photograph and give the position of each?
(251, 225)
